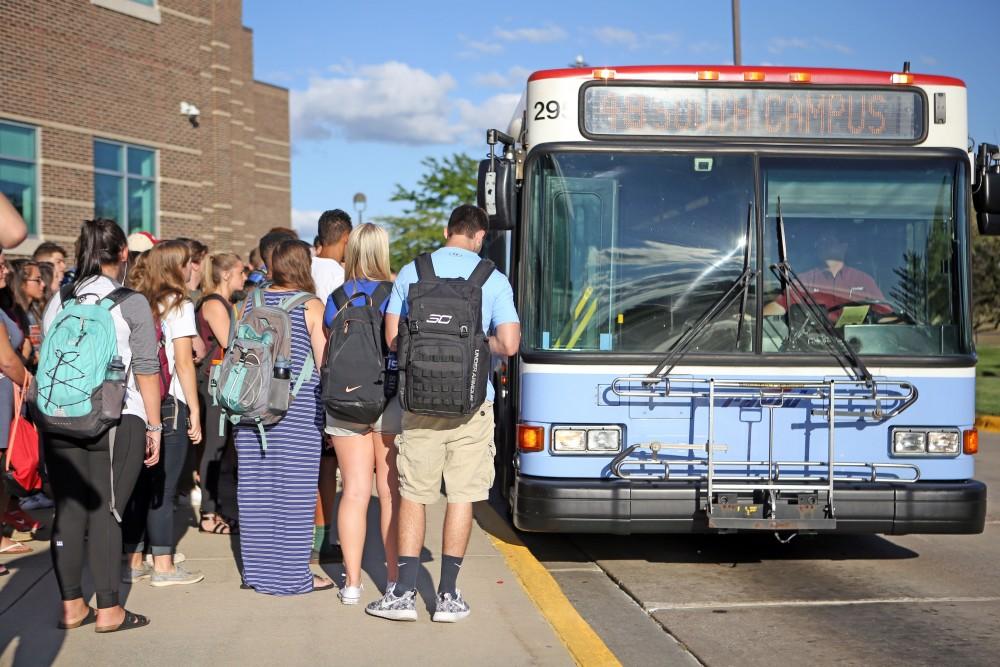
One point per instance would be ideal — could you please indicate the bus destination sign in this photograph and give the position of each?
(758, 113)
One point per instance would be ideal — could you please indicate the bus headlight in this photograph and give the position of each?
(943, 442)
(909, 442)
(578, 439)
(603, 440)
(569, 440)
(926, 441)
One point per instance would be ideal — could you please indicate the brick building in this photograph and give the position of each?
(145, 111)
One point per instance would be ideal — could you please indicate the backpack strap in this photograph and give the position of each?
(288, 305)
(258, 298)
(116, 297)
(340, 297)
(425, 267)
(482, 273)
(65, 293)
(381, 294)
(296, 300)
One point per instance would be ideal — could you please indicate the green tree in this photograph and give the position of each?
(985, 281)
(446, 183)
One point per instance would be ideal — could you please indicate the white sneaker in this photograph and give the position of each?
(350, 594)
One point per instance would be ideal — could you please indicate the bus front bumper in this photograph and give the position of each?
(626, 506)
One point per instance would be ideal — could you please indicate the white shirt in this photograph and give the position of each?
(177, 323)
(328, 275)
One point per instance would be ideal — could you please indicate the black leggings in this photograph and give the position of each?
(80, 471)
(217, 479)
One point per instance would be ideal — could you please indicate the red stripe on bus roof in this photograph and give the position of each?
(733, 73)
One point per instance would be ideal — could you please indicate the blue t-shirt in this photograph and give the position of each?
(498, 297)
(352, 287)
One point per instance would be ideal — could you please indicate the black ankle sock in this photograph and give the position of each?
(450, 565)
(409, 568)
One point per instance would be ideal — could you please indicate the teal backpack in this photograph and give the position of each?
(79, 387)
(254, 385)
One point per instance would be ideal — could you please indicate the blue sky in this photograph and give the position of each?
(378, 86)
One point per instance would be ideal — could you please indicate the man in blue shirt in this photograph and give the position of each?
(458, 450)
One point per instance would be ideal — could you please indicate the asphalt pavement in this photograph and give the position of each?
(749, 600)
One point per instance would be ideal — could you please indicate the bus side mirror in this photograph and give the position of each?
(987, 202)
(986, 195)
(496, 192)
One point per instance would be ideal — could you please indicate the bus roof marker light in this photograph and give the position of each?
(708, 75)
(753, 76)
(970, 441)
(604, 73)
(800, 77)
(902, 78)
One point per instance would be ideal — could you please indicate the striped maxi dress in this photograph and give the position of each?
(276, 489)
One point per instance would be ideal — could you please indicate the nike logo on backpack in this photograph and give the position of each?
(350, 389)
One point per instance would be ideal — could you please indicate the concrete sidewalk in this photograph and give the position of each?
(215, 622)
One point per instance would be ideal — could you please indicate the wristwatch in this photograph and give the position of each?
(151, 428)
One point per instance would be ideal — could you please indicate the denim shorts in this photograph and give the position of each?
(390, 421)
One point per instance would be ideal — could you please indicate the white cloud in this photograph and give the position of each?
(704, 47)
(549, 33)
(615, 36)
(494, 112)
(781, 44)
(305, 223)
(475, 48)
(670, 40)
(392, 103)
(516, 77)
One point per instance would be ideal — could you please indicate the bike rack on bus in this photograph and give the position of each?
(801, 507)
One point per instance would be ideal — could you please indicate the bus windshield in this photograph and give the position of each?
(625, 251)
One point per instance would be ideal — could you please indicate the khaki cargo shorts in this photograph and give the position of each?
(458, 450)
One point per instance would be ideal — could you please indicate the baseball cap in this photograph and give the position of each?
(141, 241)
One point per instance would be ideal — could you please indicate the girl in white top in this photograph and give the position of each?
(160, 274)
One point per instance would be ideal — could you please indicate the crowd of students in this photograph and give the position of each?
(181, 317)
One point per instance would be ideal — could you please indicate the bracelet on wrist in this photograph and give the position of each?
(154, 428)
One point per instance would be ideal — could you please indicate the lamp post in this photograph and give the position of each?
(737, 51)
(360, 204)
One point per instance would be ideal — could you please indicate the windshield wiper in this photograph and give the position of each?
(790, 280)
(739, 288)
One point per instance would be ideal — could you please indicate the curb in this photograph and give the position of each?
(989, 423)
(586, 647)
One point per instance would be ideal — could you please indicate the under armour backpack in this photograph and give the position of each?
(354, 375)
(444, 357)
(79, 389)
(247, 385)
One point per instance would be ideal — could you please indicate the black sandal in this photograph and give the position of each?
(86, 620)
(325, 587)
(131, 622)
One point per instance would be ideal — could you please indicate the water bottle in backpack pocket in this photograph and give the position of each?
(254, 385)
(79, 387)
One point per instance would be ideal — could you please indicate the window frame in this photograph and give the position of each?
(125, 175)
(139, 10)
(37, 231)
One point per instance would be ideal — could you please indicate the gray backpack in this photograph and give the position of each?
(254, 383)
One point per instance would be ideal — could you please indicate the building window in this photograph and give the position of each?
(19, 170)
(147, 10)
(125, 185)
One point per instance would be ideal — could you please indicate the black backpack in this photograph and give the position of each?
(354, 375)
(444, 357)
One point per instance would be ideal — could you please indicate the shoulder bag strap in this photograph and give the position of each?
(381, 294)
(425, 267)
(482, 273)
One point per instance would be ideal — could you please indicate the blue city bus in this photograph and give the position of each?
(745, 299)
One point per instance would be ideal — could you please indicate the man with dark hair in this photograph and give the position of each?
(55, 255)
(328, 273)
(459, 449)
(327, 265)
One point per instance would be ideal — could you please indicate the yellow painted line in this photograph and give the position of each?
(988, 423)
(583, 643)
